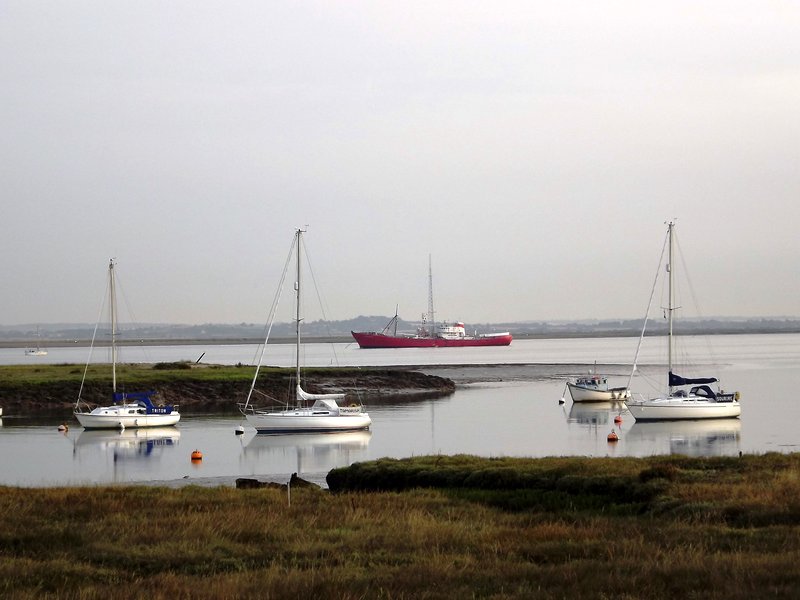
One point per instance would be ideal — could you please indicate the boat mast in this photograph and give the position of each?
(297, 320)
(113, 307)
(671, 304)
(430, 299)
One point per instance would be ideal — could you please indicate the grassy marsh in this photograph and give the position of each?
(210, 388)
(706, 528)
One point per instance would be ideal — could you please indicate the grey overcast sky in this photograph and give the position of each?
(533, 148)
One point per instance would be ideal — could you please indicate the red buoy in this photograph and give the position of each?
(618, 419)
(613, 437)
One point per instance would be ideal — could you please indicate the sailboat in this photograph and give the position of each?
(312, 412)
(38, 351)
(429, 335)
(700, 401)
(128, 409)
(593, 387)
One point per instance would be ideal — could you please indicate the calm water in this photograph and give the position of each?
(515, 413)
(762, 350)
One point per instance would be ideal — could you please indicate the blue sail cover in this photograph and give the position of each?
(678, 380)
(144, 400)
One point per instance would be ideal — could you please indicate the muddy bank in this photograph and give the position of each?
(468, 374)
(209, 395)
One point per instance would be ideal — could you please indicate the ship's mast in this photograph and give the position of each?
(297, 302)
(113, 308)
(671, 303)
(431, 321)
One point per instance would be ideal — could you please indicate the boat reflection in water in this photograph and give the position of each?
(594, 413)
(710, 437)
(306, 452)
(129, 443)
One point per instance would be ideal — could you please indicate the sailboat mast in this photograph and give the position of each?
(113, 308)
(297, 302)
(671, 303)
(430, 299)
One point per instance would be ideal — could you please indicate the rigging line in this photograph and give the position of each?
(322, 305)
(654, 384)
(696, 303)
(647, 313)
(94, 336)
(134, 321)
(271, 321)
(320, 300)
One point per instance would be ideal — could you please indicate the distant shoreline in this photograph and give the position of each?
(342, 339)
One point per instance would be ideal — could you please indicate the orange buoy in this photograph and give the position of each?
(63, 427)
(613, 437)
(618, 419)
(197, 455)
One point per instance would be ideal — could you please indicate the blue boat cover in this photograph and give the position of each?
(678, 380)
(143, 399)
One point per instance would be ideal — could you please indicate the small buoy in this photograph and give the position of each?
(197, 455)
(63, 427)
(613, 437)
(618, 419)
(239, 430)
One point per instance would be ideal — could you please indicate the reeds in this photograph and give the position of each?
(717, 528)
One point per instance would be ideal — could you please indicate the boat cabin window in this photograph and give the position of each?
(703, 391)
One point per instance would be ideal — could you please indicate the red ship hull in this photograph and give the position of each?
(380, 340)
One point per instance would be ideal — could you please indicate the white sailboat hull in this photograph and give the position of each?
(124, 417)
(677, 409)
(307, 420)
(586, 394)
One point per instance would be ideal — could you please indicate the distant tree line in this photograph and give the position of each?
(251, 331)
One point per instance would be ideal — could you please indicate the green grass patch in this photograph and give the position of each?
(740, 491)
(201, 388)
(557, 528)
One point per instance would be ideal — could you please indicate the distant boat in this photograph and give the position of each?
(312, 412)
(38, 351)
(128, 409)
(700, 401)
(593, 387)
(429, 335)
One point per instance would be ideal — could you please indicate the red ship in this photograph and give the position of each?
(443, 336)
(447, 336)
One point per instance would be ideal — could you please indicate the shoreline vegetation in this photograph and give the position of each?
(203, 388)
(425, 527)
(322, 333)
